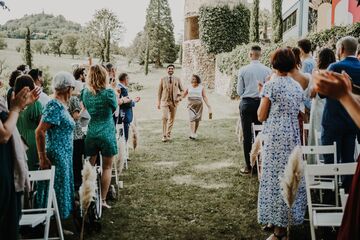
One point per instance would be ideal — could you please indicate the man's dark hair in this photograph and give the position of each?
(325, 58)
(109, 66)
(23, 81)
(78, 72)
(122, 76)
(170, 65)
(256, 48)
(21, 67)
(305, 45)
(198, 79)
(13, 77)
(35, 74)
(283, 60)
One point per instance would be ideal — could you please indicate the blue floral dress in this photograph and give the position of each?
(59, 150)
(281, 135)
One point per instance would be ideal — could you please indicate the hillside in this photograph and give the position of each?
(42, 25)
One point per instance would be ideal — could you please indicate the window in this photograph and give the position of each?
(191, 28)
(290, 21)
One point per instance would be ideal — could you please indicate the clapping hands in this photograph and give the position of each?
(24, 98)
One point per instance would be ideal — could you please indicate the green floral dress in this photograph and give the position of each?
(101, 134)
(27, 123)
(59, 150)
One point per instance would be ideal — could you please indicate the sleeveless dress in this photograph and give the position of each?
(195, 103)
(59, 150)
(281, 136)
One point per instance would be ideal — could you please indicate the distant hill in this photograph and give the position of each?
(42, 26)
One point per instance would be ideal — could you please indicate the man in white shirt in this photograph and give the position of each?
(247, 88)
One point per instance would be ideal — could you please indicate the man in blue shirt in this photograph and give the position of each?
(337, 124)
(247, 88)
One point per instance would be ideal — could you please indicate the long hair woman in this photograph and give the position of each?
(101, 102)
(196, 95)
(279, 109)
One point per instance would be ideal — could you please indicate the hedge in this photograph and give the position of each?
(230, 63)
(222, 28)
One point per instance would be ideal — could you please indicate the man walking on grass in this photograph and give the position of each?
(169, 95)
(249, 77)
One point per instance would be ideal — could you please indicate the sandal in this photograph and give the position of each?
(245, 171)
(278, 237)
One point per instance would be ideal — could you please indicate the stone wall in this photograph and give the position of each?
(197, 61)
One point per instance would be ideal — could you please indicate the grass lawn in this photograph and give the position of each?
(186, 189)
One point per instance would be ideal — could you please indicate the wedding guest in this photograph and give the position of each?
(37, 76)
(169, 95)
(14, 176)
(279, 108)
(28, 121)
(79, 75)
(196, 96)
(338, 86)
(100, 101)
(325, 58)
(126, 110)
(23, 68)
(12, 80)
(247, 88)
(54, 138)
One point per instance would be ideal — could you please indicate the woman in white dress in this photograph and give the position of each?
(196, 96)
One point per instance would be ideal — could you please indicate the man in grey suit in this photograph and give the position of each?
(250, 76)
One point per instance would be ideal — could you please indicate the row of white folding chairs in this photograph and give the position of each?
(326, 216)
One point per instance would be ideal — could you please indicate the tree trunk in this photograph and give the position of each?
(28, 56)
(147, 57)
(277, 24)
(108, 45)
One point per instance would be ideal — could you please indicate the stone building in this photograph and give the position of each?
(195, 58)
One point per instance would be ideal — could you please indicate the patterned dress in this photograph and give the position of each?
(59, 150)
(101, 134)
(281, 135)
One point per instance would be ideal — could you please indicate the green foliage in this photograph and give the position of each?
(55, 43)
(42, 26)
(137, 50)
(39, 46)
(222, 29)
(159, 29)
(28, 52)
(277, 23)
(47, 79)
(254, 23)
(3, 43)
(69, 45)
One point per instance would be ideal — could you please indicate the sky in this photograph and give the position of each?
(131, 12)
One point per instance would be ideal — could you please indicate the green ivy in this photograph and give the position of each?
(222, 28)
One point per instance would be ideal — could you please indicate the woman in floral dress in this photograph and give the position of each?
(279, 108)
(54, 139)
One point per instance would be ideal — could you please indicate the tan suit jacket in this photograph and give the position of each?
(163, 92)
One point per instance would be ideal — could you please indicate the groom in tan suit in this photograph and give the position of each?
(169, 96)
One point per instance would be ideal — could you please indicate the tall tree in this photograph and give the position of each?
(104, 29)
(70, 44)
(254, 25)
(160, 31)
(28, 54)
(277, 23)
(55, 45)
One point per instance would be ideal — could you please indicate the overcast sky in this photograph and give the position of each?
(131, 12)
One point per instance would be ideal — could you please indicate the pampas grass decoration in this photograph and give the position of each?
(87, 190)
(121, 155)
(256, 149)
(134, 135)
(239, 131)
(293, 173)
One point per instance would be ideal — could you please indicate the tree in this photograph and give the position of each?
(69, 44)
(137, 50)
(39, 46)
(147, 56)
(28, 53)
(3, 43)
(55, 45)
(102, 30)
(160, 31)
(277, 23)
(254, 23)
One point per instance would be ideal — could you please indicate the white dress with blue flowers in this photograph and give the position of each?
(281, 135)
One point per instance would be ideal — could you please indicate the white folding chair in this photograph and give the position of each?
(343, 198)
(323, 183)
(256, 129)
(306, 128)
(325, 216)
(35, 217)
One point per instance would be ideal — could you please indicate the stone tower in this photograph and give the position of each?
(195, 58)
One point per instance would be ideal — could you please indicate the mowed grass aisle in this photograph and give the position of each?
(185, 189)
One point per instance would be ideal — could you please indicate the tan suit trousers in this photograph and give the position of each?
(168, 118)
